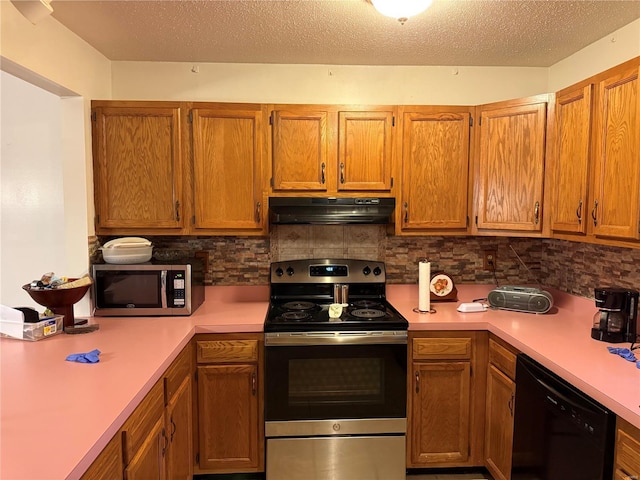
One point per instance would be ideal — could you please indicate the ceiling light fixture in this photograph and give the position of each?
(401, 10)
(33, 10)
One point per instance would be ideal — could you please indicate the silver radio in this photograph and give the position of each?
(520, 299)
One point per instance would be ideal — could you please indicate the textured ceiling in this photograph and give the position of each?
(343, 32)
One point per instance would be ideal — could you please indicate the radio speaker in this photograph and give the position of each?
(520, 299)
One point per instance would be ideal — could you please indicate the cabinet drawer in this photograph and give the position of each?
(177, 372)
(627, 454)
(142, 421)
(222, 351)
(502, 358)
(441, 348)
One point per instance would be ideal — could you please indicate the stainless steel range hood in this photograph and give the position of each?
(330, 210)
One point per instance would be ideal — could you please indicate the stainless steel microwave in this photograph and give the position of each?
(147, 289)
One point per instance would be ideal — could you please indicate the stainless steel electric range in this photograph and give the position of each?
(335, 373)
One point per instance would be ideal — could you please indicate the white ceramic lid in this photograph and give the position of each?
(127, 242)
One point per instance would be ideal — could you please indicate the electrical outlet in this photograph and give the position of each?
(489, 259)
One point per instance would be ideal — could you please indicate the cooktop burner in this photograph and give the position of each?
(302, 290)
(299, 306)
(367, 313)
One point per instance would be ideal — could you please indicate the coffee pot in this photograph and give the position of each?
(616, 320)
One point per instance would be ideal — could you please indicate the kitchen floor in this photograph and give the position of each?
(449, 476)
(435, 475)
(442, 475)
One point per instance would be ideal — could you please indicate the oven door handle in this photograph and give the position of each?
(335, 338)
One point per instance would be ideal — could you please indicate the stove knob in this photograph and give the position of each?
(366, 270)
(290, 271)
(279, 272)
(377, 271)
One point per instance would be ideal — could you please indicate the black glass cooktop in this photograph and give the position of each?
(301, 315)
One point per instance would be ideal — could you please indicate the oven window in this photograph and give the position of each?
(338, 381)
(352, 381)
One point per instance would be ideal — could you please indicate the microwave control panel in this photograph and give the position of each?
(178, 288)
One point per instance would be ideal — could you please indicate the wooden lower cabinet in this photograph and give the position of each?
(148, 462)
(229, 391)
(446, 399)
(156, 441)
(179, 457)
(627, 460)
(501, 390)
(108, 465)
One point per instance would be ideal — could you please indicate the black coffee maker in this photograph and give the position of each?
(617, 318)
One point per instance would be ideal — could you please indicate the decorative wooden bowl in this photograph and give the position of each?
(59, 300)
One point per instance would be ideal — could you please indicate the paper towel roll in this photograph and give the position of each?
(424, 293)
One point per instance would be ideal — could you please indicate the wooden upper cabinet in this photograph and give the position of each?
(435, 170)
(511, 165)
(137, 167)
(615, 209)
(571, 172)
(329, 149)
(227, 168)
(299, 149)
(365, 153)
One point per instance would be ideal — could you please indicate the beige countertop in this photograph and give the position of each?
(68, 411)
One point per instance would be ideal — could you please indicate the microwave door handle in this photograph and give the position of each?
(163, 288)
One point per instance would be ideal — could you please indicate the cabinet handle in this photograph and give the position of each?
(579, 212)
(342, 172)
(166, 442)
(254, 388)
(417, 382)
(406, 212)
(513, 396)
(177, 211)
(536, 212)
(173, 428)
(594, 213)
(258, 208)
(323, 170)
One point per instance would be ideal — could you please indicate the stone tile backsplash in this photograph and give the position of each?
(570, 266)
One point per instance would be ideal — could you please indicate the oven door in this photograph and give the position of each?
(335, 375)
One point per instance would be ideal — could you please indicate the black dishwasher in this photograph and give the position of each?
(559, 432)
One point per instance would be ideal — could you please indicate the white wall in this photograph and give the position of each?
(47, 188)
(612, 50)
(264, 83)
(36, 144)
(53, 57)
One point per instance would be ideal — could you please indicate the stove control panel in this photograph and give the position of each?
(328, 270)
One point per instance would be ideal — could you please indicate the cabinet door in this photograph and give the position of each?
(511, 170)
(228, 424)
(299, 150)
(627, 461)
(439, 431)
(108, 465)
(179, 430)
(365, 150)
(617, 165)
(435, 171)
(499, 424)
(137, 168)
(148, 463)
(227, 165)
(573, 137)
